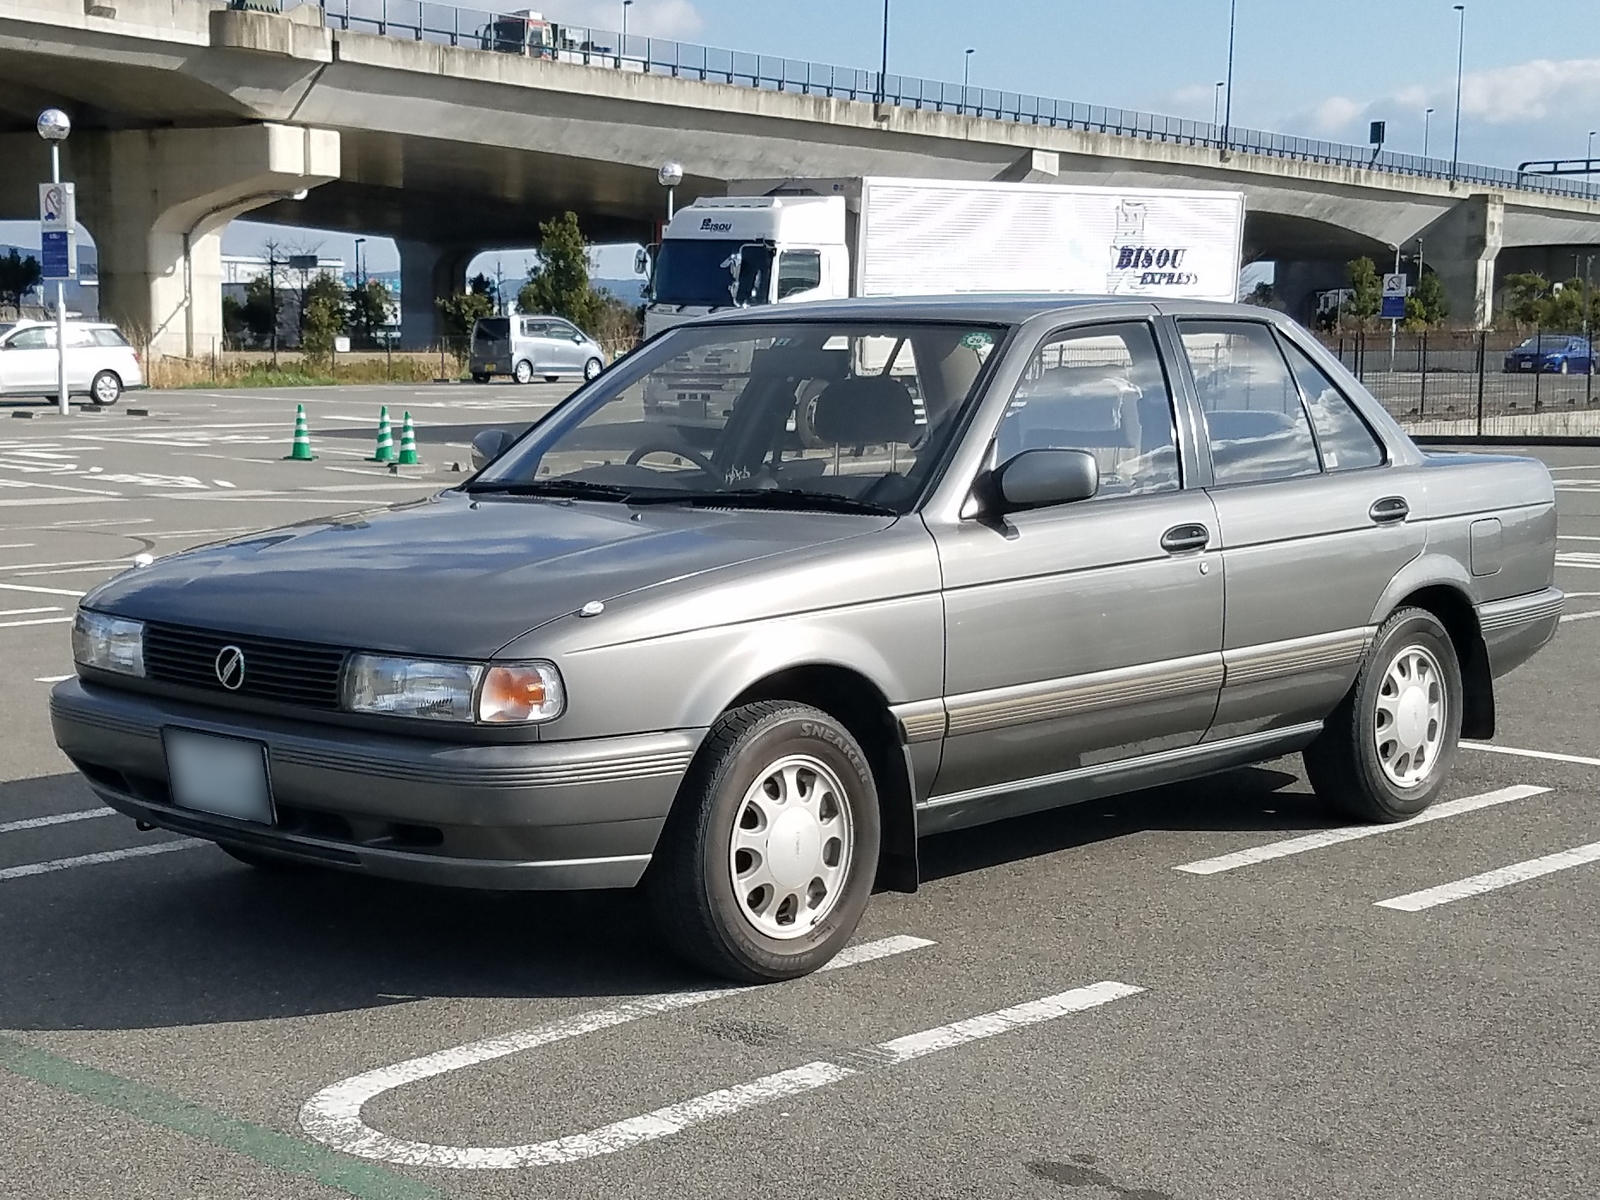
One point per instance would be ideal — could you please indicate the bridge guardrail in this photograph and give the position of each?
(486, 29)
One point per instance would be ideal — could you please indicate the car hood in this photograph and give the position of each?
(452, 575)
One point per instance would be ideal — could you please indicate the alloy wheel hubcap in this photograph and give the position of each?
(1409, 717)
(105, 390)
(791, 848)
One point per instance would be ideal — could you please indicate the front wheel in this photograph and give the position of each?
(1386, 751)
(767, 861)
(523, 372)
(106, 389)
(592, 368)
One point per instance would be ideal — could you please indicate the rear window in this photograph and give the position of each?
(494, 329)
(108, 337)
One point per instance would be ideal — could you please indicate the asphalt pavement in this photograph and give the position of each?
(1216, 990)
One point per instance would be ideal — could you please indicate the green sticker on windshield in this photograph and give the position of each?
(978, 340)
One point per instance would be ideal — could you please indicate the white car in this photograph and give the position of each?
(100, 363)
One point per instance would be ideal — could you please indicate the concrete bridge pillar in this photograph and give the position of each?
(1461, 248)
(156, 202)
(1296, 284)
(428, 273)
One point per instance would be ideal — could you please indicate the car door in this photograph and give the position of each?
(28, 361)
(1090, 632)
(85, 358)
(1313, 522)
(568, 349)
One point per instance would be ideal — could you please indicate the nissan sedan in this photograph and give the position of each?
(1038, 551)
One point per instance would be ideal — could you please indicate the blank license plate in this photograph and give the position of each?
(221, 775)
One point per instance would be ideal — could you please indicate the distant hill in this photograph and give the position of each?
(629, 291)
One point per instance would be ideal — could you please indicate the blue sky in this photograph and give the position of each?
(1315, 69)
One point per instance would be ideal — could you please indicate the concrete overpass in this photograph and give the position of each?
(187, 115)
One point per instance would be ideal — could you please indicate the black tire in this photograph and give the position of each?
(552, 379)
(690, 883)
(1344, 765)
(263, 860)
(480, 377)
(106, 389)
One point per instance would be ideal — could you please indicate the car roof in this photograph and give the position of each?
(1000, 309)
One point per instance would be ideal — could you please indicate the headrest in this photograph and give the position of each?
(866, 410)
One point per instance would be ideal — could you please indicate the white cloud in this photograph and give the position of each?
(1531, 91)
(652, 18)
(1335, 113)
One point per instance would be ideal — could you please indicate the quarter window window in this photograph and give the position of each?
(108, 337)
(1102, 390)
(1347, 444)
(799, 271)
(1254, 419)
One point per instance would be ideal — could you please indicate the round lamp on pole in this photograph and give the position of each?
(54, 126)
(966, 70)
(670, 176)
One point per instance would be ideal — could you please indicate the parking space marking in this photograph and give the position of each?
(1333, 837)
(58, 501)
(674, 1118)
(1582, 616)
(71, 562)
(28, 612)
(1575, 759)
(333, 1115)
(1581, 559)
(67, 818)
(34, 621)
(1489, 881)
(51, 678)
(28, 870)
(23, 587)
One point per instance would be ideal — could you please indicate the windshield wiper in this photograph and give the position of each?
(574, 489)
(777, 499)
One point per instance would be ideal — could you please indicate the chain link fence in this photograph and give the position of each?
(1478, 384)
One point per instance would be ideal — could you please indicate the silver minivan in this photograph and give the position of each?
(530, 347)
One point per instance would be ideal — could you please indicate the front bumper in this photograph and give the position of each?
(541, 815)
(1515, 630)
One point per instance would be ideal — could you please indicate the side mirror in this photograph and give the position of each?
(1040, 478)
(489, 445)
(641, 261)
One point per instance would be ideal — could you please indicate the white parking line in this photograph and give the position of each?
(51, 678)
(68, 818)
(1476, 885)
(1583, 616)
(43, 591)
(1576, 759)
(664, 1122)
(71, 562)
(28, 612)
(34, 621)
(90, 860)
(1333, 837)
(18, 546)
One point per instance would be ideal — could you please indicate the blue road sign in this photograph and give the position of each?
(1394, 308)
(55, 246)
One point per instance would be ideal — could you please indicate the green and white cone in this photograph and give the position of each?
(385, 451)
(408, 444)
(302, 437)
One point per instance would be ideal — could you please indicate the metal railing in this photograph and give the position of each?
(485, 29)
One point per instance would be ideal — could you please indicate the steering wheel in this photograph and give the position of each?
(682, 451)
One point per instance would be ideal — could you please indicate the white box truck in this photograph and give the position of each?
(791, 241)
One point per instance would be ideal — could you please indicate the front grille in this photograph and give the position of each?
(288, 672)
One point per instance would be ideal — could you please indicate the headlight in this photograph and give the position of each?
(521, 693)
(403, 687)
(518, 693)
(108, 643)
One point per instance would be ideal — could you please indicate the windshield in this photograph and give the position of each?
(491, 329)
(828, 416)
(712, 274)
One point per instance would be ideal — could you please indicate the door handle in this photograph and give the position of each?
(1181, 539)
(1389, 510)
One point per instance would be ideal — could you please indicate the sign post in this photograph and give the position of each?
(58, 239)
(1394, 307)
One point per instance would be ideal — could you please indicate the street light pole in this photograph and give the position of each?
(1589, 153)
(1216, 104)
(883, 70)
(360, 281)
(966, 73)
(1427, 120)
(670, 176)
(53, 126)
(1461, 51)
(626, 5)
(1227, 113)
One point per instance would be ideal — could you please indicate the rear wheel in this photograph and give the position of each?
(767, 861)
(106, 389)
(592, 368)
(523, 372)
(1386, 751)
(552, 379)
(480, 377)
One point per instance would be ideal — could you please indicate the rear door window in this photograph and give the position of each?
(108, 337)
(1346, 442)
(1255, 421)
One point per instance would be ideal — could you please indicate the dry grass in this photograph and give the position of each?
(251, 370)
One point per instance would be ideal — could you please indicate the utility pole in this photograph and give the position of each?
(883, 70)
(1427, 120)
(272, 294)
(1461, 52)
(1227, 112)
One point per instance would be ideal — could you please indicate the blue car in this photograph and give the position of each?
(1552, 353)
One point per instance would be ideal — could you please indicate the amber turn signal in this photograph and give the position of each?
(522, 693)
